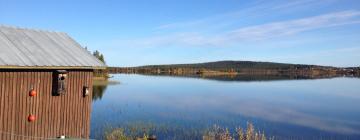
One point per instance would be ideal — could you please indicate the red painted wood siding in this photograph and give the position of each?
(67, 114)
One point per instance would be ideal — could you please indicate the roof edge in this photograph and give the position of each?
(34, 29)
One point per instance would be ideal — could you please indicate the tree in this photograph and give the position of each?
(100, 73)
(99, 56)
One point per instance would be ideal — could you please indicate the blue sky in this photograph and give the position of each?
(134, 32)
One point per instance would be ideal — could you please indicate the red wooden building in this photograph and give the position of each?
(45, 85)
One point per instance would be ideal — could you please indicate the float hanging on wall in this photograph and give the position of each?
(31, 118)
(32, 93)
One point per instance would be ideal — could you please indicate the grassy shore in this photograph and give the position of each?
(214, 133)
(102, 81)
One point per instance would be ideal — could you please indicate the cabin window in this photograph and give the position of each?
(86, 91)
(59, 82)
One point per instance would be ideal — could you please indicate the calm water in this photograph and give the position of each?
(182, 108)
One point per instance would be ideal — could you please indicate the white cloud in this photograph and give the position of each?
(300, 3)
(249, 33)
(253, 9)
(296, 26)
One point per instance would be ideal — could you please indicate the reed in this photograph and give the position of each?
(219, 133)
(213, 133)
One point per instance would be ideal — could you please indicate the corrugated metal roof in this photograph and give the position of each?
(35, 48)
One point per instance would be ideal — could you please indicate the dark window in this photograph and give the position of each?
(59, 82)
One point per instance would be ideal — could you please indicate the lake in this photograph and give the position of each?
(183, 107)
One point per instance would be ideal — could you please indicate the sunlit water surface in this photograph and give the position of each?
(183, 108)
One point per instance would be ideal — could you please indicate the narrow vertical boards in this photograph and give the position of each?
(67, 114)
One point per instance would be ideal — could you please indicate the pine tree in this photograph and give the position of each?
(99, 56)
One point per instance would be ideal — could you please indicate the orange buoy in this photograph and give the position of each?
(31, 118)
(32, 93)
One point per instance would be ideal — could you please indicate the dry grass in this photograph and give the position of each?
(218, 133)
(102, 82)
(213, 133)
(116, 134)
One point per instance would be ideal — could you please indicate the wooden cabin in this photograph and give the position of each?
(45, 85)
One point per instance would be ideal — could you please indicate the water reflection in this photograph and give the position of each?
(100, 86)
(98, 92)
(183, 106)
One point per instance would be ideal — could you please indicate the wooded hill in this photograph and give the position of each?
(225, 65)
(232, 68)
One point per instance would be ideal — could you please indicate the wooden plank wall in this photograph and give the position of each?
(67, 114)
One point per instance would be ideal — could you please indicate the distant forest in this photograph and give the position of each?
(231, 68)
(226, 65)
(211, 69)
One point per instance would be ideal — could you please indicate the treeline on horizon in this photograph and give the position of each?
(220, 68)
(220, 65)
(235, 68)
